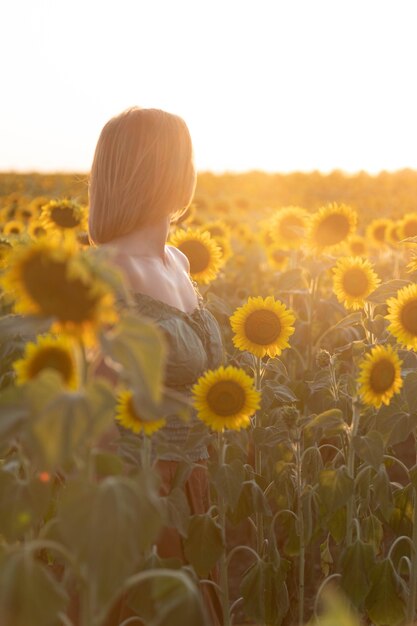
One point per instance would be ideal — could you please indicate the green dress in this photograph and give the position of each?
(194, 346)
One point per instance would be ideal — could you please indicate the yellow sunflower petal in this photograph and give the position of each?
(64, 215)
(226, 398)
(380, 376)
(402, 315)
(50, 279)
(288, 227)
(203, 254)
(377, 232)
(48, 352)
(262, 326)
(330, 226)
(353, 280)
(128, 417)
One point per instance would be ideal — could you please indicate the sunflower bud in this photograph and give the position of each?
(290, 416)
(323, 359)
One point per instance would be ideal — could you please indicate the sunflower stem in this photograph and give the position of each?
(351, 467)
(411, 606)
(300, 525)
(310, 315)
(258, 457)
(224, 582)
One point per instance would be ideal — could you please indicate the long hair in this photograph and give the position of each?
(142, 171)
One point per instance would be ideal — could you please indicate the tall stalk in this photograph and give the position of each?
(412, 597)
(300, 525)
(351, 468)
(224, 581)
(258, 459)
(310, 315)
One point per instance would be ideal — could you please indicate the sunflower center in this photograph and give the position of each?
(262, 327)
(197, 254)
(290, 227)
(379, 232)
(47, 283)
(132, 413)
(382, 376)
(409, 317)
(332, 230)
(215, 231)
(355, 282)
(52, 357)
(357, 248)
(410, 228)
(226, 398)
(64, 217)
(279, 257)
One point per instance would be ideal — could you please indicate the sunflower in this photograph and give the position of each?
(408, 226)
(203, 253)
(14, 227)
(380, 376)
(393, 233)
(402, 314)
(26, 213)
(330, 226)
(5, 250)
(226, 398)
(218, 228)
(128, 417)
(48, 352)
(49, 279)
(353, 280)
(262, 326)
(288, 227)
(36, 229)
(277, 258)
(412, 265)
(377, 232)
(357, 245)
(64, 216)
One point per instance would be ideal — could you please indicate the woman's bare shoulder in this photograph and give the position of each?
(179, 256)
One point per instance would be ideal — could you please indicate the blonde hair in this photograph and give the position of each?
(142, 171)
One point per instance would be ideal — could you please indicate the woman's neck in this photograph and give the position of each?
(148, 241)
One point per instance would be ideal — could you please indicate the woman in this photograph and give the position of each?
(142, 178)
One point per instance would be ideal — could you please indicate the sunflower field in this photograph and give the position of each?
(311, 421)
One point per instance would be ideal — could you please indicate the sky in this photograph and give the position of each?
(275, 85)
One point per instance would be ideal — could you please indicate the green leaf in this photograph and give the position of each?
(13, 411)
(28, 593)
(265, 595)
(337, 525)
(382, 492)
(372, 531)
(357, 561)
(370, 448)
(228, 481)
(251, 500)
(107, 526)
(166, 598)
(68, 424)
(387, 290)
(178, 510)
(349, 320)
(326, 557)
(410, 386)
(384, 603)
(139, 346)
(203, 546)
(326, 424)
(335, 488)
(291, 280)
